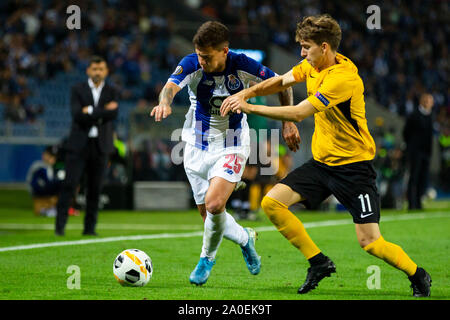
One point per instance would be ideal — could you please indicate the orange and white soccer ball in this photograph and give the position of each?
(133, 267)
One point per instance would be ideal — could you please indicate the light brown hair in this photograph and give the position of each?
(319, 28)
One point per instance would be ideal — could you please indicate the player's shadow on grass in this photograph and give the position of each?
(338, 293)
(361, 294)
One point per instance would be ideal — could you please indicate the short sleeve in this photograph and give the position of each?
(185, 67)
(334, 90)
(299, 71)
(253, 67)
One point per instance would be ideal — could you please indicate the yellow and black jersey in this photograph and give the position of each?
(341, 135)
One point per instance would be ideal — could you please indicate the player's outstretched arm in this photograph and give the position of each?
(163, 109)
(286, 113)
(267, 87)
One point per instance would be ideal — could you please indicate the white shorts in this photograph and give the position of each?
(201, 166)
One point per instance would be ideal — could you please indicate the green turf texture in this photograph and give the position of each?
(41, 273)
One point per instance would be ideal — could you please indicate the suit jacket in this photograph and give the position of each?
(418, 133)
(81, 96)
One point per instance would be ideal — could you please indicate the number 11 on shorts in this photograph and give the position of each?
(363, 205)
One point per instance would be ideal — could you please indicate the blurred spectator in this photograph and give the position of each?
(389, 163)
(392, 173)
(161, 161)
(139, 117)
(143, 167)
(444, 145)
(418, 134)
(33, 44)
(151, 161)
(117, 171)
(44, 184)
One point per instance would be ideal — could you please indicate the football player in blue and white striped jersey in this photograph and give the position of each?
(217, 147)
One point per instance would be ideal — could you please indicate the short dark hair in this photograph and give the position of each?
(211, 34)
(96, 59)
(51, 150)
(319, 28)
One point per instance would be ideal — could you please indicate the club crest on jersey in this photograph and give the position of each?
(178, 70)
(233, 82)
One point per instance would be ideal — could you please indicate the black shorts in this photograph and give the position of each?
(352, 184)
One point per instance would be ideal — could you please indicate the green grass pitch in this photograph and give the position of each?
(41, 273)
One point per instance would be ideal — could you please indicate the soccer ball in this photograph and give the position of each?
(133, 267)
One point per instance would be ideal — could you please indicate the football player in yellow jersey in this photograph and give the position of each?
(342, 149)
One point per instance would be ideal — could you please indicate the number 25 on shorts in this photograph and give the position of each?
(233, 162)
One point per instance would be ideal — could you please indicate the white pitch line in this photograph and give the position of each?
(105, 226)
(200, 233)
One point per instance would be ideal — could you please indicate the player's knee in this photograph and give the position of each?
(265, 203)
(269, 206)
(364, 242)
(215, 206)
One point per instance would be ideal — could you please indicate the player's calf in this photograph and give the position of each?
(392, 254)
(396, 257)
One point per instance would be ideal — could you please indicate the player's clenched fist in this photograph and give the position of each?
(291, 135)
(161, 112)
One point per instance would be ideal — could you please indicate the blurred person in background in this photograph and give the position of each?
(94, 107)
(418, 136)
(444, 145)
(44, 184)
(44, 179)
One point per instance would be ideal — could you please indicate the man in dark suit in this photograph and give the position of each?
(418, 135)
(94, 107)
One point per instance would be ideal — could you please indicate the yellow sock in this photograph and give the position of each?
(289, 226)
(392, 254)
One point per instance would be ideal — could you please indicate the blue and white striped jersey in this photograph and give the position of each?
(204, 127)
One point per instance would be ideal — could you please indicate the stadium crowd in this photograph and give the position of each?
(35, 43)
(397, 63)
(405, 58)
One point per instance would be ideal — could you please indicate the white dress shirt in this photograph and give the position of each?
(96, 92)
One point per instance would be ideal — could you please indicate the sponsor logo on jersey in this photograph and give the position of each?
(178, 70)
(216, 103)
(233, 82)
(229, 171)
(324, 100)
